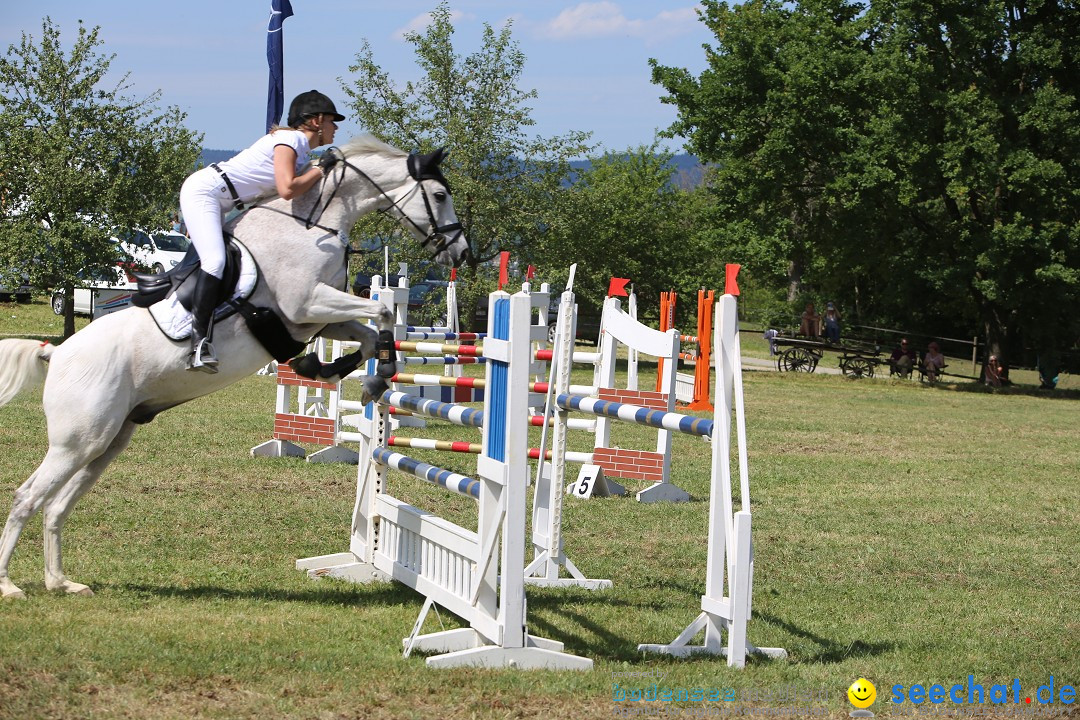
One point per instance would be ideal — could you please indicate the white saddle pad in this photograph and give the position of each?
(175, 320)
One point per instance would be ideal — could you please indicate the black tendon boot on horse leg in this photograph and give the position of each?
(202, 310)
(311, 367)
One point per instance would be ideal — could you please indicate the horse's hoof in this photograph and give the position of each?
(374, 387)
(72, 588)
(10, 592)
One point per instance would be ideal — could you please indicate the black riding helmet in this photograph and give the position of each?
(310, 104)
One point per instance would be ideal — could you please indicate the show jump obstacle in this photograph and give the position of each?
(476, 575)
(480, 575)
(692, 390)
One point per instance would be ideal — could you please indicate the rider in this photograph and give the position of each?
(272, 163)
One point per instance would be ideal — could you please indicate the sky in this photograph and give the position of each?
(588, 61)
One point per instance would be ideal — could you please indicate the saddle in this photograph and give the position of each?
(180, 282)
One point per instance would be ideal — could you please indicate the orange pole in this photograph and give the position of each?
(667, 321)
(706, 305)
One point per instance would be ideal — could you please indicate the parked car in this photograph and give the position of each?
(588, 322)
(427, 298)
(20, 292)
(100, 292)
(157, 251)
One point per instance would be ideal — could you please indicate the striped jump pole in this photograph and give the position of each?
(457, 414)
(659, 419)
(444, 360)
(476, 383)
(472, 448)
(429, 328)
(447, 335)
(439, 348)
(431, 444)
(569, 456)
(455, 482)
(572, 423)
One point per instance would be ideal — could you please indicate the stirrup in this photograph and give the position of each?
(203, 357)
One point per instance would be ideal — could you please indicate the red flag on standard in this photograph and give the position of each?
(504, 268)
(617, 287)
(731, 272)
(530, 272)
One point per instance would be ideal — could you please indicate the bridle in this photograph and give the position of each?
(437, 238)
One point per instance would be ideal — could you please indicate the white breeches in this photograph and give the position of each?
(204, 201)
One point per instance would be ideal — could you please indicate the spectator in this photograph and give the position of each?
(933, 362)
(810, 322)
(832, 323)
(902, 359)
(994, 373)
(1048, 370)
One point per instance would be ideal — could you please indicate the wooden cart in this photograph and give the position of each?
(801, 355)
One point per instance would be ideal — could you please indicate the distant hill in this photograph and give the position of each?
(688, 169)
(689, 172)
(212, 156)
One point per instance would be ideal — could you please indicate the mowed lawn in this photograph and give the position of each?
(903, 533)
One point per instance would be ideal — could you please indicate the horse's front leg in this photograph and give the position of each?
(311, 365)
(378, 344)
(327, 306)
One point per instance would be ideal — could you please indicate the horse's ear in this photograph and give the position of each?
(440, 155)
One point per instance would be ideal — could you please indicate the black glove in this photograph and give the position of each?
(329, 159)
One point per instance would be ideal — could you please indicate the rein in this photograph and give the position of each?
(437, 233)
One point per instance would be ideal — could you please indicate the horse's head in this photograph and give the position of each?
(439, 230)
(416, 193)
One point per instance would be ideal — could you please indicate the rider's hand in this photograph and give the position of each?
(329, 159)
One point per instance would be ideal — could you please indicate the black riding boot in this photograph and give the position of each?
(202, 309)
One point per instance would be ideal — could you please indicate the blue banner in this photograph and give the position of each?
(275, 58)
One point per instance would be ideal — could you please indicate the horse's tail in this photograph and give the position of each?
(23, 363)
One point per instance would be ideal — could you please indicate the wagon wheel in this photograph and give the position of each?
(797, 360)
(859, 367)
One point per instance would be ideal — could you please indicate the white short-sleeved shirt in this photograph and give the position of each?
(252, 171)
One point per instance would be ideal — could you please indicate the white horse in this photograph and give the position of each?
(120, 371)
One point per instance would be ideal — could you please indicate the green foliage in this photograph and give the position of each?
(81, 159)
(917, 162)
(503, 180)
(623, 217)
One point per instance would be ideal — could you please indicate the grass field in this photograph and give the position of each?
(904, 533)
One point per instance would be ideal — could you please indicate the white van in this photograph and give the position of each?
(102, 293)
(157, 251)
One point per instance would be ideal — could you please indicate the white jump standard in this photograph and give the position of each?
(478, 576)
(725, 606)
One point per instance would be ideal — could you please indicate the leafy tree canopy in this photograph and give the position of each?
(82, 159)
(916, 161)
(503, 180)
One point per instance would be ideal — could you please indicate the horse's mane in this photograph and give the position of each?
(359, 145)
(367, 143)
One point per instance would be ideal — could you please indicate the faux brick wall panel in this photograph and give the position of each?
(630, 464)
(301, 428)
(644, 398)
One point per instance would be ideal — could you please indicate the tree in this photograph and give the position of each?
(81, 160)
(503, 181)
(773, 112)
(978, 130)
(623, 216)
(921, 157)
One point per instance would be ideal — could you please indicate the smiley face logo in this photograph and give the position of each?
(862, 693)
